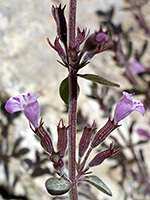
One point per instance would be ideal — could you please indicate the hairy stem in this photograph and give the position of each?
(72, 22)
(72, 105)
(72, 132)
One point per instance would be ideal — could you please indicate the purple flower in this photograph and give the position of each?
(144, 133)
(136, 68)
(26, 103)
(127, 105)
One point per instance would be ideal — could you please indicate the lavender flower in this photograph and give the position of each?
(136, 68)
(26, 103)
(127, 105)
(144, 133)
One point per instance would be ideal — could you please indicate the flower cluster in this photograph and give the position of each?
(77, 57)
(30, 107)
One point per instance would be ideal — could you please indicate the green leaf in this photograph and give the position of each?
(141, 142)
(98, 79)
(130, 91)
(64, 90)
(98, 183)
(57, 186)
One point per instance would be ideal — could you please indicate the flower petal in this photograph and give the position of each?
(127, 105)
(136, 68)
(32, 111)
(32, 99)
(138, 106)
(13, 105)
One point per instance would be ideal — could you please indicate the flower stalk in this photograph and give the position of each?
(72, 105)
(72, 132)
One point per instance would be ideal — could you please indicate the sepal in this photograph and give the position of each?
(86, 138)
(101, 156)
(101, 135)
(58, 14)
(62, 138)
(57, 47)
(81, 36)
(45, 138)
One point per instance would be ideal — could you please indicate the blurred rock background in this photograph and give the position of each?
(28, 64)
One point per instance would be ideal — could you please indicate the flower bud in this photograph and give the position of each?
(96, 40)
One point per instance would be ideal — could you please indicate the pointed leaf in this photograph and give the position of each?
(64, 90)
(57, 186)
(21, 152)
(98, 79)
(17, 143)
(28, 162)
(141, 142)
(129, 50)
(38, 171)
(98, 183)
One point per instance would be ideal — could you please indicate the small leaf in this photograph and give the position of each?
(129, 50)
(98, 79)
(98, 183)
(64, 90)
(17, 143)
(57, 186)
(21, 152)
(130, 91)
(141, 142)
(28, 162)
(38, 171)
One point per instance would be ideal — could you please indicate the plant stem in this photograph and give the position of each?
(72, 22)
(73, 195)
(72, 132)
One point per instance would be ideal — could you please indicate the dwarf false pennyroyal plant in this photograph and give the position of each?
(74, 57)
